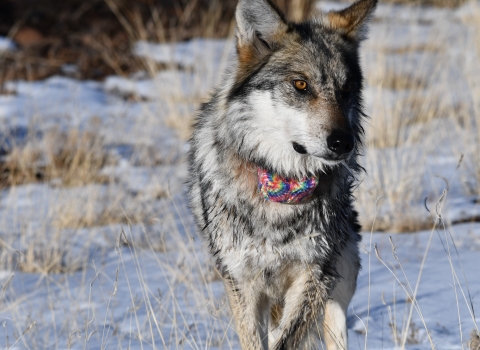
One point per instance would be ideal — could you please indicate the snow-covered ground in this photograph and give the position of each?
(6, 44)
(140, 277)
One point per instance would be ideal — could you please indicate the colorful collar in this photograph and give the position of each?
(279, 189)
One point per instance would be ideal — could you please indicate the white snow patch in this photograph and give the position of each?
(6, 44)
(438, 292)
(191, 53)
(164, 85)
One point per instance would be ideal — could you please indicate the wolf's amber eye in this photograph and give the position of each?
(300, 85)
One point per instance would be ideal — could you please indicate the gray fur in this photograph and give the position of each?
(283, 265)
(255, 17)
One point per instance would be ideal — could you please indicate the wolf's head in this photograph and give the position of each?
(295, 102)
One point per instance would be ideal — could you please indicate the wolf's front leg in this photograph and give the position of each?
(335, 320)
(251, 327)
(335, 325)
(302, 314)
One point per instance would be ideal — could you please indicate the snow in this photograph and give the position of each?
(165, 84)
(144, 279)
(6, 44)
(188, 53)
(443, 293)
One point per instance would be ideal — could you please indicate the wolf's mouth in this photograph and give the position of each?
(330, 161)
(299, 148)
(333, 159)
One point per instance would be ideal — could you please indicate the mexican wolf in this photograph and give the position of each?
(272, 163)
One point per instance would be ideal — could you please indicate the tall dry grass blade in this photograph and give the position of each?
(439, 205)
(409, 292)
(22, 335)
(369, 269)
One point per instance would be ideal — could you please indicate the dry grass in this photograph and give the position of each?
(419, 109)
(296, 10)
(397, 81)
(413, 336)
(38, 251)
(415, 48)
(97, 35)
(115, 206)
(435, 3)
(391, 192)
(43, 258)
(79, 196)
(72, 158)
(474, 342)
(187, 19)
(471, 140)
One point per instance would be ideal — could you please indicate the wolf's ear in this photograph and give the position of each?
(352, 20)
(259, 28)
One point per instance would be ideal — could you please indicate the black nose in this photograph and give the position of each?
(340, 142)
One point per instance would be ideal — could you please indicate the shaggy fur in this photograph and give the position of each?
(289, 270)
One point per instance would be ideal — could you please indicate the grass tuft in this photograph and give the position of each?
(72, 158)
(474, 343)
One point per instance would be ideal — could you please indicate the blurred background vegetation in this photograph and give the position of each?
(96, 35)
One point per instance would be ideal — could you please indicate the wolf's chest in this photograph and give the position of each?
(264, 260)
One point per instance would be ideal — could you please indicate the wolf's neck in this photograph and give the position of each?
(245, 175)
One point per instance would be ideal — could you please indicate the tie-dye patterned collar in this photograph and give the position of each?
(278, 189)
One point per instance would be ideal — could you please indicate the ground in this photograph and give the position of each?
(98, 249)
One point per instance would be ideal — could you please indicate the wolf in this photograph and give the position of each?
(272, 164)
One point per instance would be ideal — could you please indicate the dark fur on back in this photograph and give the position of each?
(251, 121)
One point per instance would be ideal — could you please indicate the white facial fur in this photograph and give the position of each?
(276, 126)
